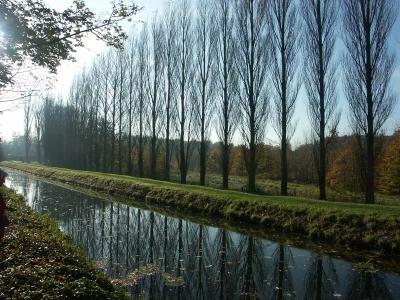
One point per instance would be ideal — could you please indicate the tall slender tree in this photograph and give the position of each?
(319, 72)
(170, 85)
(27, 127)
(228, 111)
(114, 95)
(95, 116)
(142, 61)
(285, 60)
(121, 105)
(131, 53)
(38, 116)
(154, 89)
(184, 61)
(252, 61)
(205, 46)
(105, 79)
(368, 67)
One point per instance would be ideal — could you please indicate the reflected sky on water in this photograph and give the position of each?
(154, 256)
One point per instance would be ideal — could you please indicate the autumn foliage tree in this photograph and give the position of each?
(344, 173)
(389, 167)
(368, 67)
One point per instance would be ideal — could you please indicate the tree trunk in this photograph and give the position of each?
(225, 165)
(167, 166)
(153, 152)
(370, 183)
(202, 157)
(225, 146)
(120, 138)
(39, 154)
(112, 159)
(129, 171)
(153, 156)
(322, 143)
(369, 191)
(27, 150)
(252, 166)
(140, 150)
(104, 163)
(120, 122)
(284, 166)
(182, 150)
(140, 146)
(182, 133)
(129, 154)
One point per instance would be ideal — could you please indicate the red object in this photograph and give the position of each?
(4, 222)
(2, 208)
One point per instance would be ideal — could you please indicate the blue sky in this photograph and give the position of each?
(12, 122)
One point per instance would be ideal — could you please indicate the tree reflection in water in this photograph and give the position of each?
(321, 278)
(365, 285)
(159, 257)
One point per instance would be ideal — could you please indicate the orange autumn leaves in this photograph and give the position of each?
(345, 172)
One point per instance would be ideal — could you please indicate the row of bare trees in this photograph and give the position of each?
(224, 67)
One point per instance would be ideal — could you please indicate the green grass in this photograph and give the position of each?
(355, 225)
(289, 201)
(38, 262)
(272, 188)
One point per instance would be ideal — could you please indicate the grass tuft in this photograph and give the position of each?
(38, 262)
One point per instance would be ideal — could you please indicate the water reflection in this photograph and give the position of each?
(160, 257)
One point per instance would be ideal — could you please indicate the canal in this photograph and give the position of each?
(156, 256)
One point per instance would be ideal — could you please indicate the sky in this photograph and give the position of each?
(11, 122)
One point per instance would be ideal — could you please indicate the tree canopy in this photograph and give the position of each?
(30, 31)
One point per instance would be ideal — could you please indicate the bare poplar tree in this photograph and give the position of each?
(155, 89)
(285, 35)
(105, 65)
(184, 62)
(228, 111)
(121, 109)
(27, 127)
(170, 84)
(142, 61)
(97, 86)
(319, 72)
(252, 61)
(38, 115)
(368, 70)
(114, 92)
(131, 53)
(205, 44)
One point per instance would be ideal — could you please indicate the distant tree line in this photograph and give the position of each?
(226, 67)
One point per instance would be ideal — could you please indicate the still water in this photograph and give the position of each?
(154, 256)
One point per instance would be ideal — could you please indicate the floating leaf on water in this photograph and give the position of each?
(337, 295)
(173, 281)
(133, 278)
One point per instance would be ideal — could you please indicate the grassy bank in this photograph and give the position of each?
(38, 262)
(373, 227)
